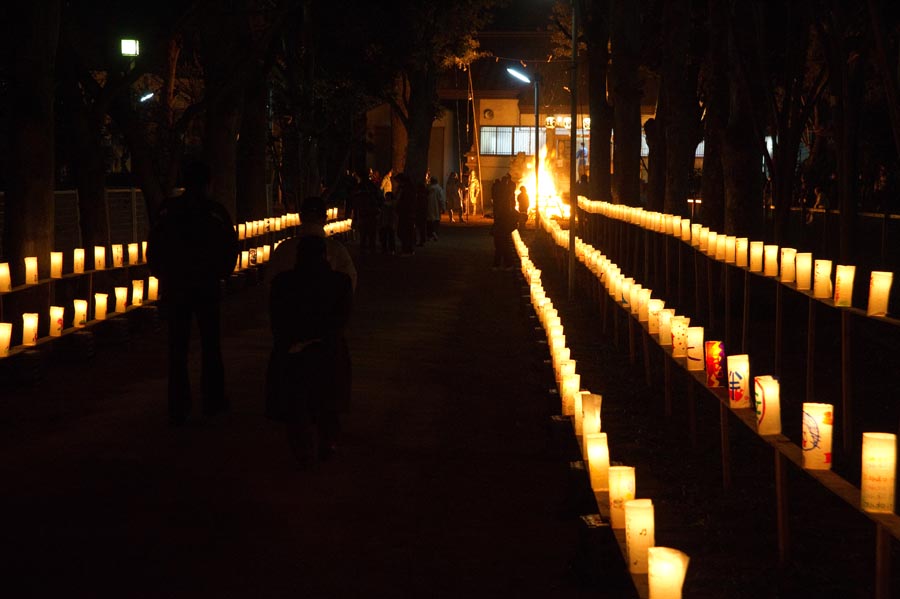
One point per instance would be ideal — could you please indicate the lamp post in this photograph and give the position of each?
(537, 136)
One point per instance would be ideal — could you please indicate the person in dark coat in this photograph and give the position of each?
(309, 306)
(191, 248)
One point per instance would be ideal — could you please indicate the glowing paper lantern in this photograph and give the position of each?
(137, 292)
(118, 256)
(643, 305)
(843, 284)
(768, 405)
(29, 328)
(685, 229)
(121, 298)
(56, 265)
(771, 268)
(730, 249)
(100, 306)
(144, 250)
(788, 269)
(571, 384)
(80, 318)
(804, 271)
(738, 380)
(695, 348)
(640, 533)
(245, 259)
(721, 242)
(679, 336)
(621, 489)
(740, 251)
(5, 280)
(152, 288)
(712, 243)
(715, 364)
(78, 260)
(578, 420)
(654, 307)
(818, 422)
(666, 571)
(242, 231)
(267, 252)
(633, 299)
(879, 468)
(31, 270)
(590, 416)
(756, 256)
(879, 292)
(133, 257)
(695, 234)
(5, 338)
(598, 460)
(822, 279)
(665, 326)
(704, 239)
(99, 257)
(56, 320)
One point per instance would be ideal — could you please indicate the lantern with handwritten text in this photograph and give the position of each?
(695, 348)
(640, 533)
(767, 396)
(818, 423)
(738, 380)
(715, 363)
(822, 279)
(621, 489)
(879, 468)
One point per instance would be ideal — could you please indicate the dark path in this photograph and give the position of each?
(446, 485)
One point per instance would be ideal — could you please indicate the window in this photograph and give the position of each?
(509, 141)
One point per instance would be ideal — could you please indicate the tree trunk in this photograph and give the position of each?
(223, 118)
(422, 90)
(600, 151)
(251, 173)
(654, 130)
(712, 185)
(399, 133)
(626, 46)
(29, 195)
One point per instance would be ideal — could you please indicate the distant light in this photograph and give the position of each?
(131, 48)
(518, 75)
(694, 201)
(146, 97)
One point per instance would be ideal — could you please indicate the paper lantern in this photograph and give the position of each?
(665, 326)
(80, 318)
(730, 249)
(740, 251)
(31, 270)
(721, 247)
(625, 289)
(99, 257)
(598, 460)
(879, 468)
(767, 395)
(137, 292)
(121, 298)
(695, 348)
(267, 252)
(152, 288)
(771, 267)
(245, 259)
(78, 260)
(666, 571)
(788, 269)
(118, 256)
(843, 284)
(822, 279)
(133, 256)
(738, 380)
(56, 265)
(633, 299)
(879, 292)
(818, 422)
(5, 280)
(242, 231)
(578, 420)
(143, 250)
(644, 305)
(685, 229)
(704, 239)
(695, 234)
(675, 226)
(639, 533)
(5, 338)
(621, 489)
(56, 320)
(654, 307)
(564, 368)
(715, 363)
(804, 271)
(571, 384)
(100, 300)
(756, 256)
(712, 243)
(679, 336)
(29, 328)
(590, 416)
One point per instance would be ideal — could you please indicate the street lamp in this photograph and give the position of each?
(537, 137)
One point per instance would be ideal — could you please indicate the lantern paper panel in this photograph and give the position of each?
(5, 338)
(621, 489)
(771, 254)
(667, 568)
(788, 265)
(756, 256)
(738, 380)
(29, 328)
(715, 364)
(768, 405)
(818, 424)
(56, 265)
(640, 533)
(804, 271)
(665, 326)
(80, 318)
(56, 320)
(740, 251)
(695, 348)
(879, 293)
(879, 469)
(100, 302)
(679, 336)
(598, 461)
(5, 279)
(843, 285)
(31, 270)
(78, 260)
(654, 306)
(822, 279)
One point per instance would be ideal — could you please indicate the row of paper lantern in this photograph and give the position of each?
(30, 320)
(664, 566)
(136, 255)
(879, 449)
(255, 228)
(797, 268)
(341, 226)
